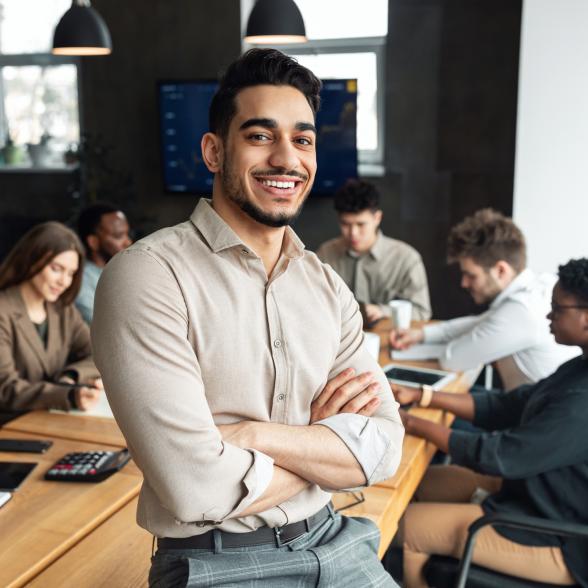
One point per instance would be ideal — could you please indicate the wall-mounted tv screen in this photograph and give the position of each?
(183, 108)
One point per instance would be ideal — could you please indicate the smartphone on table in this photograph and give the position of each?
(25, 445)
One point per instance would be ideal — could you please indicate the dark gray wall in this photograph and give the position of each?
(451, 94)
(152, 41)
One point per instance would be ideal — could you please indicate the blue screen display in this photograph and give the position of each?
(184, 119)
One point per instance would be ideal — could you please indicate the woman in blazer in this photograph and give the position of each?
(45, 355)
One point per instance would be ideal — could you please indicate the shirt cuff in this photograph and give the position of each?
(363, 438)
(482, 408)
(256, 480)
(434, 333)
(463, 447)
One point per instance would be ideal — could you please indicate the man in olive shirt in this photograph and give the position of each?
(226, 352)
(376, 268)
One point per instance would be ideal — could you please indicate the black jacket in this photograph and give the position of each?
(538, 444)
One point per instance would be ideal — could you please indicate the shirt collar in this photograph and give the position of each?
(520, 282)
(376, 251)
(219, 235)
(378, 247)
(91, 267)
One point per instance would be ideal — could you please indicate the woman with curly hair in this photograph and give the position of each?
(530, 459)
(45, 356)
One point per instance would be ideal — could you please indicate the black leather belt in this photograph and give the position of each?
(261, 536)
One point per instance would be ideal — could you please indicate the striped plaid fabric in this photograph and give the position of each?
(341, 552)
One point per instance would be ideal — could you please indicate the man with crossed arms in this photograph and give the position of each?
(234, 363)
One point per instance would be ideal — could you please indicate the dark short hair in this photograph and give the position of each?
(35, 250)
(259, 67)
(357, 196)
(90, 218)
(573, 278)
(488, 237)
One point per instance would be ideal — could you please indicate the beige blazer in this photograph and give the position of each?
(28, 370)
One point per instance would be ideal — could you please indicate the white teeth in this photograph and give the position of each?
(275, 184)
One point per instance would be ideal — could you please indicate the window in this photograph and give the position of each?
(344, 19)
(39, 113)
(352, 45)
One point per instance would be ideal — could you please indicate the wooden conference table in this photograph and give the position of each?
(46, 522)
(85, 535)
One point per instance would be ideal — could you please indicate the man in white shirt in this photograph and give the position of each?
(513, 333)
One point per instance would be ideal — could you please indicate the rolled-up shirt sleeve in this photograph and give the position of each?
(154, 385)
(368, 443)
(494, 410)
(551, 438)
(376, 441)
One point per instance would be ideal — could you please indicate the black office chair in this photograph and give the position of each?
(447, 572)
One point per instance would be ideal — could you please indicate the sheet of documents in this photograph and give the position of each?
(422, 351)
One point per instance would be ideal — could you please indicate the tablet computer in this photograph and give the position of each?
(416, 377)
(12, 474)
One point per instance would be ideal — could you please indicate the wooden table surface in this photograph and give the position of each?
(45, 519)
(90, 429)
(116, 554)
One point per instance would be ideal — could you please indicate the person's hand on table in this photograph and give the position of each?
(405, 338)
(346, 392)
(87, 397)
(405, 395)
(94, 383)
(373, 313)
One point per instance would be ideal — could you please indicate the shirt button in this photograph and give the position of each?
(201, 524)
(277, 343)
(281, 397)
(244, 251)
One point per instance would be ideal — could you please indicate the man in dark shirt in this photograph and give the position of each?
(533, 460)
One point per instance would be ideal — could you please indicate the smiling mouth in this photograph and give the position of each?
(281, 185)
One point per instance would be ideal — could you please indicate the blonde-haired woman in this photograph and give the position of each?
(45, 355)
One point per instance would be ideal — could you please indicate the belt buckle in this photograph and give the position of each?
(277, 535)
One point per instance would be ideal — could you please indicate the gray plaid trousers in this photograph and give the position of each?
(339, 553)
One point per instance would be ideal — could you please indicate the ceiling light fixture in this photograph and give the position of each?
(275, 22)
(81, 31)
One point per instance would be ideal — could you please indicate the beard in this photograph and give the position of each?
(490, 291)
(235, 191)
(104, 254)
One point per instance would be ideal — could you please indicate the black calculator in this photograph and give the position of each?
(88, 466)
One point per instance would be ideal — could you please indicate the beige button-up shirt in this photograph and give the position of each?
(391, 270)
(189, 332)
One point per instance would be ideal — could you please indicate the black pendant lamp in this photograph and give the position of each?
(81, 31)
(274, 22)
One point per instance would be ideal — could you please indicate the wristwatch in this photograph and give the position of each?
(426, 395)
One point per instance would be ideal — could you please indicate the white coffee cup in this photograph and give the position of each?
(401, 313)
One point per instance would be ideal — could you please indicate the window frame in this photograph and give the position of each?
(370, 161)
